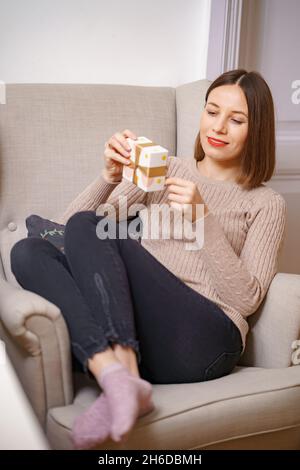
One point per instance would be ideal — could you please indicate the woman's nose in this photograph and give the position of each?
(219, 126)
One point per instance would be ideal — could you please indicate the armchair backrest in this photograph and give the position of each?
(52, 141)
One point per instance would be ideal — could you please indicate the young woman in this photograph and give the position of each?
(155, 311)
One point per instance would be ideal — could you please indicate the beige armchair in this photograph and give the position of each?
(51, 141)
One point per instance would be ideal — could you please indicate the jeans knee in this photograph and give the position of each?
(77, 225)
(78, 220)
(24, 253)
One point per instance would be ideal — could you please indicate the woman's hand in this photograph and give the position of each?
(184, 196)
(116, 154)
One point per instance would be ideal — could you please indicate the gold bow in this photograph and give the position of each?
(147, 171)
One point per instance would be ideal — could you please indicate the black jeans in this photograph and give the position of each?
(114, 291)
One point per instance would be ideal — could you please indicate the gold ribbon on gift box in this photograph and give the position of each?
(147, 171)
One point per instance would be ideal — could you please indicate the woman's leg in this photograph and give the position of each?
(181, 334)
(180, 331)
(102, 280)
(41, 268)
(184, 337)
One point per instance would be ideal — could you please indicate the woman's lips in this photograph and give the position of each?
(216, 143)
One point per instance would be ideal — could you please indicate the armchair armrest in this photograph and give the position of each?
(38, 344)
(275, 326)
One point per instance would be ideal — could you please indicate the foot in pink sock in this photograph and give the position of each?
(93, 426)
(128, 397)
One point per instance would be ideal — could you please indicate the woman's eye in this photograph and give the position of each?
(211, 113)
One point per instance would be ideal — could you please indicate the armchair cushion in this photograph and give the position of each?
(248, 404)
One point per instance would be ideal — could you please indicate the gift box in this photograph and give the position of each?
(148, 164)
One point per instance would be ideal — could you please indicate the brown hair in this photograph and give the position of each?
(258, 155)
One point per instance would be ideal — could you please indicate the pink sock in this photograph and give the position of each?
(93, 426)
(128, 398)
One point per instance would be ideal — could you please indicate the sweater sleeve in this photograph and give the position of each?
(127, 199)
(121, 196)
(99, 191)
(243, 281)
(89, 199)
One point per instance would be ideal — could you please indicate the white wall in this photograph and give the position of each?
(274, 50)
(271, 45)
(134, 42)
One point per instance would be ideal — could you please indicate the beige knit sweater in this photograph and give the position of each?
(243, 234)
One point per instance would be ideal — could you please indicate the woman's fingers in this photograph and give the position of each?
(177, 181)
(128, 133)
(118, 141)
(117, 149)
(172, 188)
(119, 145)
(111, 155)
(120, 137)
(183, 199)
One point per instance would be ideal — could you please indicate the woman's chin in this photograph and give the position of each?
(215, 153)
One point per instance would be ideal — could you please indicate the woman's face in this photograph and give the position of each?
(225, 117)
